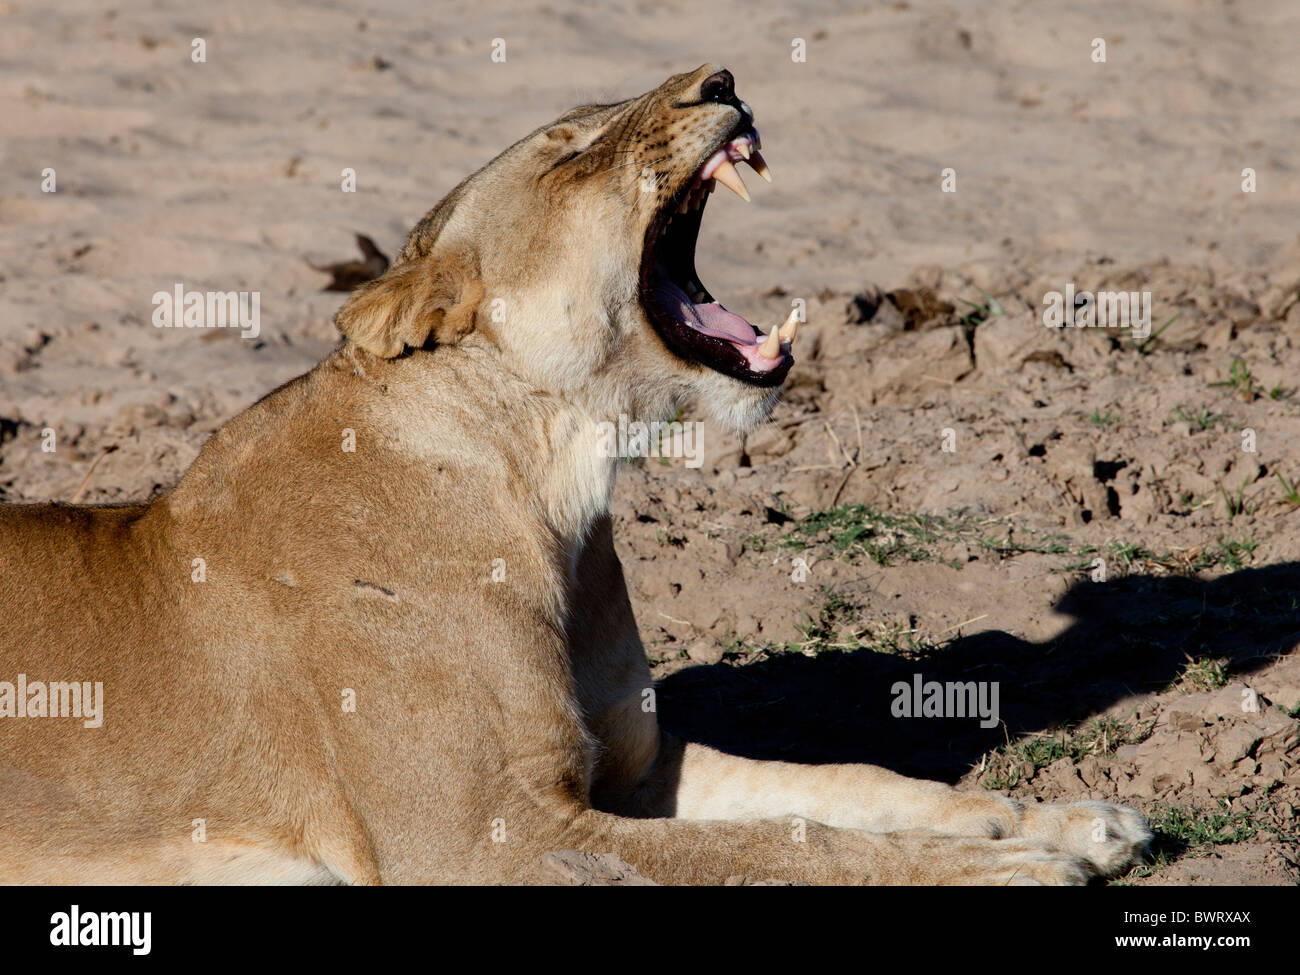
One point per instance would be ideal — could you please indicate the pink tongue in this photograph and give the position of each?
(722, 323)
(717, 321)
(713, 319)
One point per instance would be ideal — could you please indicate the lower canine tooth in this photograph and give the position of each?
(771, 347)
(726, 175)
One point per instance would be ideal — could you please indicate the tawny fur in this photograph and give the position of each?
(498, 716)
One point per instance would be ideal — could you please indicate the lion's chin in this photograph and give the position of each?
(733, 404)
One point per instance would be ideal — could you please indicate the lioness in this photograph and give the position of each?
(415, 660)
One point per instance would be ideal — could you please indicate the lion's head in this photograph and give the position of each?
(573, 252)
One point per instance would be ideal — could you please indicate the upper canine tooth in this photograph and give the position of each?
(759, 165)
(791, 327)
(771, 347)
(726, 175)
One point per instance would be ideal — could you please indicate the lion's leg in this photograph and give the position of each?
(640, 773)
(680, 851)
(694, 782)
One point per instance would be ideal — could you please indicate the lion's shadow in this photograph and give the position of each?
(1131, 635)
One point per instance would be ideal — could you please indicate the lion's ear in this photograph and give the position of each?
(429, 298)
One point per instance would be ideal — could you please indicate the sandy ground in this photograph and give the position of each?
(1171, 683)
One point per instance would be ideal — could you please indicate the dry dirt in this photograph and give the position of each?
(1163, 675)
(1171, 682)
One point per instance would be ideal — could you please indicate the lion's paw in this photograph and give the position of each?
(1015, 863)
(1109, 837)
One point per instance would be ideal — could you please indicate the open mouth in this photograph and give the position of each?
(688, 319)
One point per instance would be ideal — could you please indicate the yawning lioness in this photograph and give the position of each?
(378, 632)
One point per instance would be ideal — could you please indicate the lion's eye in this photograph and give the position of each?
(567, 156)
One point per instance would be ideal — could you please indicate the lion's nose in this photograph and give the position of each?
(719, 87)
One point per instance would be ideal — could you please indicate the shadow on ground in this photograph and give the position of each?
(1131, 636)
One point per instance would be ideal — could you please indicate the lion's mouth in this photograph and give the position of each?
(688, 319)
